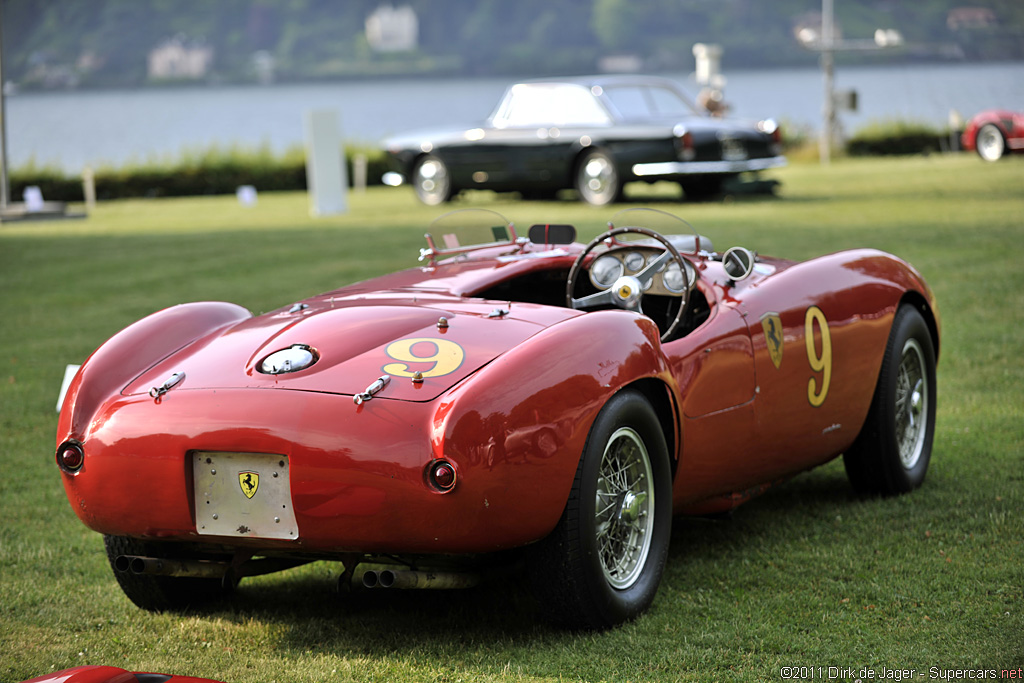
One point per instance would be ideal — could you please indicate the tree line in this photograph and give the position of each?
(106, 42)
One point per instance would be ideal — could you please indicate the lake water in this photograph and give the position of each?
(73, 129)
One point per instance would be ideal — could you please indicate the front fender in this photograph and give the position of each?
(517, 428)
(134, 350)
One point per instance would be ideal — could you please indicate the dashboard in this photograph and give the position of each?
(668, 280)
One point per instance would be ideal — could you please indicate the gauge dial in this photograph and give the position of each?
(634, 261)
(605, 271)
(674, 279)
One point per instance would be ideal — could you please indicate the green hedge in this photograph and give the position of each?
(213, 171)
(219, 171)
(897, 138)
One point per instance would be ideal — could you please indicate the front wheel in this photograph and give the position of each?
(602, 564)
(892, 451)
(431, 180)
(597, 180)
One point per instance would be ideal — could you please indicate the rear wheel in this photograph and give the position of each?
(990, 143)
(603, 562)
(159, 593)
(892, 452)
(431, 180)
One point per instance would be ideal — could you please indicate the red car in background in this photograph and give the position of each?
(994, 133)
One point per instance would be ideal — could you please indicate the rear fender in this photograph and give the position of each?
(517, 428)
(134, 350)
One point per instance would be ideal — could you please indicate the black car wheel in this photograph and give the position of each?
(431, 180)
(990, 143)
(892, 451)
(158, 593)
(597, 180)
(603, 562)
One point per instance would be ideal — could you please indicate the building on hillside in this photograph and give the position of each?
(970, 17)
(391, 29)
(180, 58)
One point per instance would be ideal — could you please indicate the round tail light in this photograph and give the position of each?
(441, 476)
(70, 457)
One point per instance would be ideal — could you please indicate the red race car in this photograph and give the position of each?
(111, 674)
(994, 133)
(512, 398)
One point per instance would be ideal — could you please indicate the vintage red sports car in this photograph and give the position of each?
(994, 133)
(513, 398)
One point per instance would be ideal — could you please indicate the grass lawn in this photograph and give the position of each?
(806, 576)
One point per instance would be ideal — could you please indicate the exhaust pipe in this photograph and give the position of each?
(155, 566)
(202, 569)
(418, 580)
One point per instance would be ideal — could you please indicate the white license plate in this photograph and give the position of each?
(733, 150)
(243, 495)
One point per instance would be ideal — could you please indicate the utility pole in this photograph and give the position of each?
(5, 187)
(828, 68)
(825, 43)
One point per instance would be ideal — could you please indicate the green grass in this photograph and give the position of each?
(807, 575)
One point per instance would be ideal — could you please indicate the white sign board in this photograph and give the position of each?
(326, 179)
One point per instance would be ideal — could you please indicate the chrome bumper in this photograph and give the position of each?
(669, 168)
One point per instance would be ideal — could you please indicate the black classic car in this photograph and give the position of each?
(592, 134)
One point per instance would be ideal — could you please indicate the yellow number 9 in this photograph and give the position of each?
(819, 363)
(445, 355)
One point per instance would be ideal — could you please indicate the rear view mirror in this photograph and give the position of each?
(738, 263)
(552, 234)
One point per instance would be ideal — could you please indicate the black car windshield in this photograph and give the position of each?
(549, 104)
(640, 102)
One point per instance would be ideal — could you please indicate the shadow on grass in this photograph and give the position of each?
(801, 502)
(317, 618)
(312, 616)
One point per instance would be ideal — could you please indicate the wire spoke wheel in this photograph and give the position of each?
(624, 503)
(602, 563)
(891, 454)
(911, 404)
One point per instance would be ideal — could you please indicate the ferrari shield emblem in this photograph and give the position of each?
(249, 481)
(771, 323)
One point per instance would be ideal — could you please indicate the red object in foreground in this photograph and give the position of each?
(111, 674)
(994, 133)
(558, 400)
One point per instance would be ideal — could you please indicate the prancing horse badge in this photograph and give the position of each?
(249, 481)
(771, 323)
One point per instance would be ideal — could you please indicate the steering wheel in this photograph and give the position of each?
(628, 291)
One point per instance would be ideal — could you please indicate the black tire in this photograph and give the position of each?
(573, 571)
(159, 593)
(892, 451)
(432, 181)
(597, 179)
(990, 143)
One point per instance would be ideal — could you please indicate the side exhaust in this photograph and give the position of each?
(418, 580)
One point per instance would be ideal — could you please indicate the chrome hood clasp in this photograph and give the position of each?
(373, 389)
